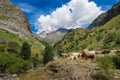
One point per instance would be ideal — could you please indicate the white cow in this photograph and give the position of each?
(74, 56)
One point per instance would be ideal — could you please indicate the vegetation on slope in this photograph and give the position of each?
(71, 41)
(103, 37)
(21, 54)
(12, 63)
(6, 38)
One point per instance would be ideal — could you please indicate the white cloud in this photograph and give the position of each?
(72, 15)
(26, 7)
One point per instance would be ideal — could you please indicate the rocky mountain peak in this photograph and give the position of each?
(13, 20)
(4, 1)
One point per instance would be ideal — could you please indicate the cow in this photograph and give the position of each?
(74, 56)
(88, 54)
(64, 55)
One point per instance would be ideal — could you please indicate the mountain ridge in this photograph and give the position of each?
(53, 37)
(105, 17)
(12, 19)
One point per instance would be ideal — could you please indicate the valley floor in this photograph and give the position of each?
(66, 69)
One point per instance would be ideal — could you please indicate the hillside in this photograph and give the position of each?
(105, 17)
(20, 49)
(63, 69)
(103, 37)
(72, 40)
(14, 27)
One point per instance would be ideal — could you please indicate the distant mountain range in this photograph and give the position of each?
(53, 37)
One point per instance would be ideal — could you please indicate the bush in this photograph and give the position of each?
(116, 60)
(13, 47)
(3, 47)
(20, 66)
(12, 63)
(106, 64)
(109, 38)
(118, 39)
(101, 76)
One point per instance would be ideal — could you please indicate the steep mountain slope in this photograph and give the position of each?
(13, 20)
(53, 37)
(105, 17)
(14, 27)
(103, 37)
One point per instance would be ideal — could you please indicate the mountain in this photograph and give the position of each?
(106, 36)
(105, 17)
(43, 34)
(15, 28)
(13, 20)
(62, 30)
(53, 37)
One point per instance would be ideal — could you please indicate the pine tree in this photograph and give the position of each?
(48, 55)
(26, 50)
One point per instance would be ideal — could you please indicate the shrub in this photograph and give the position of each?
(109, 38)
(20, 66)
(101, 76)
(118, 39)
(3, 47)
(116, 60)
(13, 47)
(106, 64)
(12, 63)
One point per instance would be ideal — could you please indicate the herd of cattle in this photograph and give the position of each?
(86, 54)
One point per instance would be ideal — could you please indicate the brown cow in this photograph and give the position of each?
(88, 55)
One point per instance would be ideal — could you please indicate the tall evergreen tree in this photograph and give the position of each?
(48, 55)
(26, 50)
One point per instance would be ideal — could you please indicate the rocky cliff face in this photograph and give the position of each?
(13, 20)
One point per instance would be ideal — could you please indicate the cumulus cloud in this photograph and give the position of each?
(74, 14)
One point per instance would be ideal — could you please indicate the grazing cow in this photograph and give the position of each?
(64, 55)
(88, 55)
(56, 57)
(74, 56)
(14, 75)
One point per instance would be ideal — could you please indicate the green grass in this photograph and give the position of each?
(9, 37)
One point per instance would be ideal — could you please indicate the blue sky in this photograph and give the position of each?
(42, 13)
